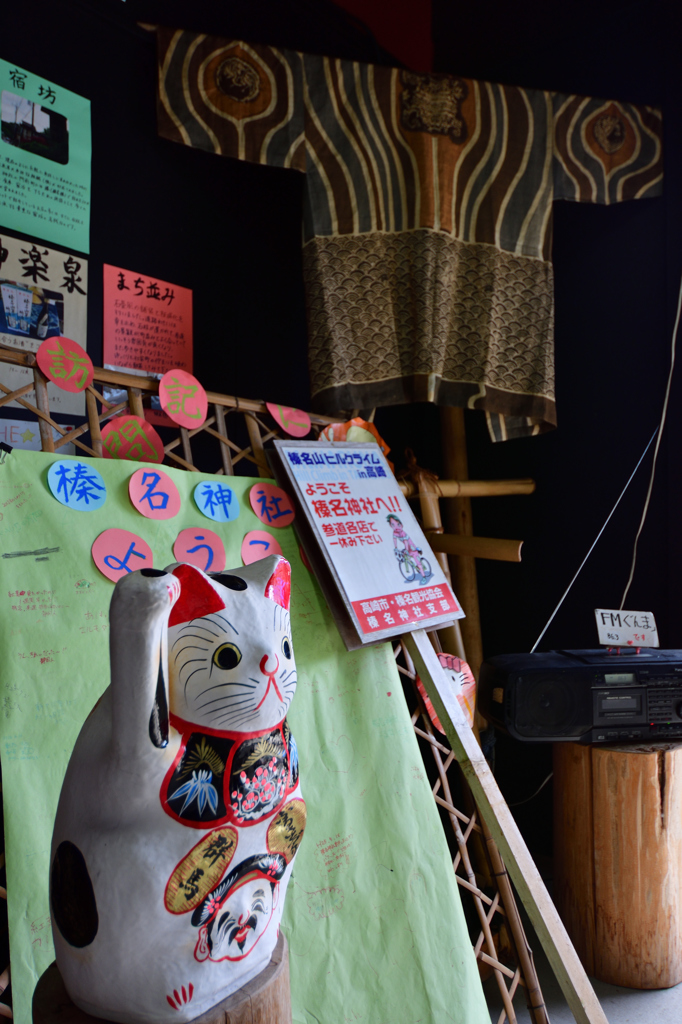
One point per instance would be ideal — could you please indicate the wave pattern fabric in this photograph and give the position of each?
(428, 212)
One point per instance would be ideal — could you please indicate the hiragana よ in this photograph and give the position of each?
(18, 78)
(71, 276)
(269, 506)
(34, 264)
(157, 500)
(178, 394)
(121, 284)
(216, 499)
(48, 94)
(114, 562)
(65, 365)
(77, 484)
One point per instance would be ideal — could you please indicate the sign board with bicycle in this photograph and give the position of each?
(367, 549)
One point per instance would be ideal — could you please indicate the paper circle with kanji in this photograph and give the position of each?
(131, 437)
(66, 364)
(77, 485)
(119, 552)
(200, 547)
(258, 544)
(272, 505)
(216, 501)
(183, 398)
(293, 422)
(154, 494)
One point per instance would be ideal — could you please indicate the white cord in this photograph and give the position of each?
(594, 543)
(538, 790)
(658, 445)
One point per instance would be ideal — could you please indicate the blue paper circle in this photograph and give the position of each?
(77, 485)
(216, 501)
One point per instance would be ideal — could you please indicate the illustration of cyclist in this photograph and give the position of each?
(412, 563)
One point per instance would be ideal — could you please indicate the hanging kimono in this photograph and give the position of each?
(428, 212)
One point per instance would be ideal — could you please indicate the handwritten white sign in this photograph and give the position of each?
(626, 629)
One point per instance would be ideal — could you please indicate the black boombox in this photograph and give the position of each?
(584, 696)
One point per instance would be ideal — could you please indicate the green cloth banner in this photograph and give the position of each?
(373, 916)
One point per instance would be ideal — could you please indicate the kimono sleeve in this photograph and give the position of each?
(232, 98)
(606, 151)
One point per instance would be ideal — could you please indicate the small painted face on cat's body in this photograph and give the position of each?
(219, 677)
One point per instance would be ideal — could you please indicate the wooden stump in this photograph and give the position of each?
(265, 1000)
(618, 859)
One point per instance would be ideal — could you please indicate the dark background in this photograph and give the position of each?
(232, 232)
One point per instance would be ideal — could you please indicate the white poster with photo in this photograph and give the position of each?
(370, 537)
(43, 294)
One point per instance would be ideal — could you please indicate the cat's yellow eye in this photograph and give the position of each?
(227, 656)
(286, 647)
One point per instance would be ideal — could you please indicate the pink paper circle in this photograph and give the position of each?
(66, 364)
(154, 494)
(131, 437)
(119, 552)
(191, 544)
(258, 544)
(183, 398)
(293, 422)
(272, 505)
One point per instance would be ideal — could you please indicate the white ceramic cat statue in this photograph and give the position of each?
(181, 811)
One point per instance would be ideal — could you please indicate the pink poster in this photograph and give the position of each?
(147, 327)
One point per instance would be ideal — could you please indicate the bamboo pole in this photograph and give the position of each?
(462, 488)
(186, 446)
(43, 404)
(450, 636)
(257, 446)
(135, 402)
(459, 521)
(93, 422)
(475, 547)
(225, 452)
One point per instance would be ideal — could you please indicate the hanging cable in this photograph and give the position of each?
(658, 445)
(594, 543)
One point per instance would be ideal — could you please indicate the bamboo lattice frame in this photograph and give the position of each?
(495, 904)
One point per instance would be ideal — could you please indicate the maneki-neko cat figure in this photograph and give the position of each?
(181, 811)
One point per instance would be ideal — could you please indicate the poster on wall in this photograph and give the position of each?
(44, 159)
(363, 541)
(147, 330)
(43, 294)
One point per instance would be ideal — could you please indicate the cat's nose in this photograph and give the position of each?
(264, 665)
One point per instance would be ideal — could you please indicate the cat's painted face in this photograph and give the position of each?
(230, 657)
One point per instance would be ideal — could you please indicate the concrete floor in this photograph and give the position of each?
(621, 1005)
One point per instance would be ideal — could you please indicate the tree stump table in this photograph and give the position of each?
(265, 1000)
(618, 859)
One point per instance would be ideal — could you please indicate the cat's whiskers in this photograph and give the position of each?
(229, 685)
(227, 702)
(187, 636)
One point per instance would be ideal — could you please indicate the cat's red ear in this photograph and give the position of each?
(278, 587)
(197, 596)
